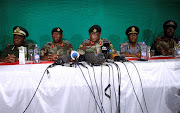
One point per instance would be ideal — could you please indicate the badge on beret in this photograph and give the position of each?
(53, 46)
(94, 30)
(100, 42)
(171, 23)
(62, 44)
(58, 29)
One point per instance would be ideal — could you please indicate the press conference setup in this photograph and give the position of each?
(91, 83)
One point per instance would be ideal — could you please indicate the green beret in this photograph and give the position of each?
(95, 28)
(57, 29)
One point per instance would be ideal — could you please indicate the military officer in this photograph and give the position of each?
(11, 53)
(164, 44)
(131, 48)
(53, 50)
(94, 43)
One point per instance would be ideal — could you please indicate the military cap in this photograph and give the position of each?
(132, 29)
(95, 28)
(170, 23)
(57, 29)
(17, 30)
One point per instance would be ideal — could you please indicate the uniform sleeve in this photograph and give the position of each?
(112, 48)
(44, 51)
(122, 49)
(81, 49)
(158, 44)
(4, 52)
(69, 48)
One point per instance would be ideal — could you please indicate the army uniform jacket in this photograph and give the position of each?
(11, 49)
(89, 46)
(51, 48)
(163, 43)
(126, 48)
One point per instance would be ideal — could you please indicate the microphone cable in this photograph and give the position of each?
(97, 88)
(89, 87)
(141, 86)
(36, 89)
(133, 88)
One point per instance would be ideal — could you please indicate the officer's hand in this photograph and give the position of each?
(163, 52)
(11, 58)
(53, 57)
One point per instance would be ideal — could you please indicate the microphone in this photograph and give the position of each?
(120, 58)
(74, 55)
(60, 61)
(94, 59)
(106, 49)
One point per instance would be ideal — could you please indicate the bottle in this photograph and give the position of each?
(177, 50)
(36, 54)
(143, 51)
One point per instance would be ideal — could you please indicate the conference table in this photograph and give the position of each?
(115, 87)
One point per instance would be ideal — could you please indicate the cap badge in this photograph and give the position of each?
(58, 29)
(171, 23)
(17, 29)
(133, 29)
(94, 30)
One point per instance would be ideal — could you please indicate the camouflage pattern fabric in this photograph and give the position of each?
(51, 48)
(126, 48)
(89, 46)
(11, 49)
(163, 43)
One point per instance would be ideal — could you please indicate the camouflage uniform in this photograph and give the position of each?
(126, 48)
(89, 46)
(51, 48)
(11, 49)
(163, 43)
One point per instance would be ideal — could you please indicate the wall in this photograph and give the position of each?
(75, 17)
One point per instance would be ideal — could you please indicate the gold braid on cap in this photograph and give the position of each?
(133, 30)
(171, 23)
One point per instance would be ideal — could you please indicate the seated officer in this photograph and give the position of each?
(11, 53)
(94, 43)
(131, 48)
(164, 44)
(58, 47)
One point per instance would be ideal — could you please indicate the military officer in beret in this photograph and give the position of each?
(53, 50)
(164, 44)
(11, 53)
(94, 43)
(131, 48)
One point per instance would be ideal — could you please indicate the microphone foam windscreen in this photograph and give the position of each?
(94, 59)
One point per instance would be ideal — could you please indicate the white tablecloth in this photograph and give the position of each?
(65, 90)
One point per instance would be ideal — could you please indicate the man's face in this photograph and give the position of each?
(18, 40)
(169, 31)
(94, 37)
(57, 37)
(132, 38)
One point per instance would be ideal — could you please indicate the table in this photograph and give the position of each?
(65, 90)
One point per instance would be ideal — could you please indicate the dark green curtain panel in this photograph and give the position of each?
(75, 17)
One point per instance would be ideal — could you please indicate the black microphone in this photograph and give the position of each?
(60, 61)
(105, 49)
(120, 58)
(94, 59)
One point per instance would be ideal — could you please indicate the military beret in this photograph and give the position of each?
(95, 28)
(170, 23)
(57, 29)
(17, 30)
(132, 29)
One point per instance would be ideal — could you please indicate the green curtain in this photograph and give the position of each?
(75, 17)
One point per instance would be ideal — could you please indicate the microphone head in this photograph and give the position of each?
(81, 58)
(94, 59)
(74, 55)
(63, 59)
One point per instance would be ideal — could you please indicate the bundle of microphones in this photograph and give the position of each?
(88, 57)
